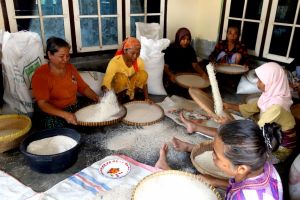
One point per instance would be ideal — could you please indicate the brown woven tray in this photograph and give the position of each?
(141, 184)
(203, 83)
(199, 149)
(120, 116)
(222, 68)
(206, 103)
(126, 121)
(13, 128)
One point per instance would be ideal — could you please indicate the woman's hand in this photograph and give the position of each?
(231, 106)
(70, 118)
(223, 119)
(220, 183)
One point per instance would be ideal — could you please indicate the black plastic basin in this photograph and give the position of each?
(51, 163)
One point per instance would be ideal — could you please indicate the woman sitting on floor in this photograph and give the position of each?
(231, 50)
(55, 86)
(273, 106)
(180, 57)
(241, 150)
(125, 73)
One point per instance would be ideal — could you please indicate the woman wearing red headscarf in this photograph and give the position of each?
(125, 73)
(180, 57)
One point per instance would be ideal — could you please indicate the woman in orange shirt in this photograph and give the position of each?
(55, 85)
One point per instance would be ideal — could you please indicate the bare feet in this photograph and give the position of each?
(180, 145)
(162, 160)
(190, 125)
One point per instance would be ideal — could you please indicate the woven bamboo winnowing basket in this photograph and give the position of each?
(163, 185)
(203, 168)
(13, 129)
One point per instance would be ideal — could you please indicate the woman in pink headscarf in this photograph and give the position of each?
(125, 73)
(272, 106)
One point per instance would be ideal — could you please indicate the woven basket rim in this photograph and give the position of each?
(14, 135)
(220, 65)
(207, 84)
(182, 173)
(105, 123)
(144, 123)
(199, 149)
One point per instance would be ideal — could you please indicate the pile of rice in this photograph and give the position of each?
(51, 145)
(105, 110)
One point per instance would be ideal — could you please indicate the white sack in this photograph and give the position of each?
(93, 79)
(22, 53)
(155, 67)
(148, 30)
(151, 53)
(247, 87)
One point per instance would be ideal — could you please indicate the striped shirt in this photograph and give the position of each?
(266, 186)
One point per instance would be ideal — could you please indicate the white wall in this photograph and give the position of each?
(1, 18)
(202, 17)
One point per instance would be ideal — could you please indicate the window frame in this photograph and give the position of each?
(271, 24)
(12, 18)
(145, 14)
(261, 23)
(71, 22)
(264, 35)
(77, 17)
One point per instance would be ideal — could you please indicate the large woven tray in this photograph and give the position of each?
(208, 192)
(206, 103)
(13, 128)
(231, 68)
(142, 110)
(188, 80)
(116, 118)
(207, 167)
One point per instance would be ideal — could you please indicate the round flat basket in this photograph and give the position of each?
(175, 185)
(188, 80)
(13, 128)
(81, 113)
(231, 68)
(202, 159)
(203, 100)
(142, 113)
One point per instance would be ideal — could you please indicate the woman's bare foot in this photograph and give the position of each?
(190, 125)
(180, 145)
(162, 160)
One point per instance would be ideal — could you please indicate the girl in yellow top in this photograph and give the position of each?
(272, 106)
(125, 73)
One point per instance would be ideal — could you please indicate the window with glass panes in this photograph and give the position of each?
(280, 29)
(98, 24)
(147, 11)
(46, 17)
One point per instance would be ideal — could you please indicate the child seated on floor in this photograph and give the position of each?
(231, 50)
(241, 149)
